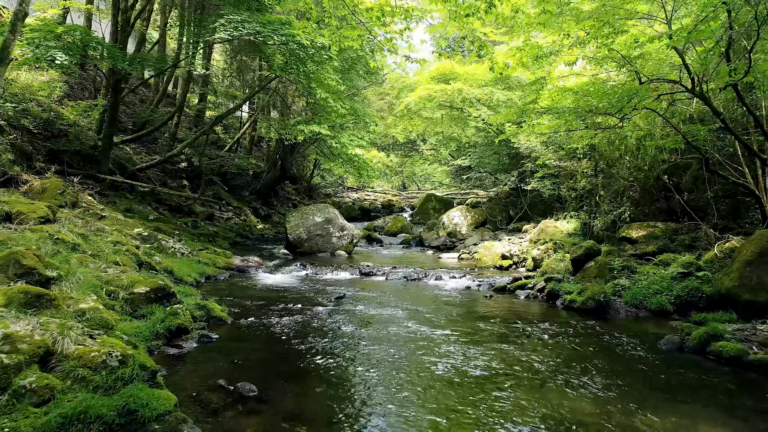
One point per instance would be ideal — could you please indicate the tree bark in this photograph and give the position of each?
(176, 56)
(205, 83)
(162, 40)
(88, 17)
(18, 18)
(146, 21)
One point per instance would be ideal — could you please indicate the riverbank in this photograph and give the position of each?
(97, 283)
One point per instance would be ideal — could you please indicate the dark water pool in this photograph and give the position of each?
(396, 356)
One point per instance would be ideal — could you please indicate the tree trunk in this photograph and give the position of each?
(88, 17)
(181, 103)
(205, 83)
(64, 15)
(253, 114)
(20, 15)
(146, 21)
(176, 56)
(111, 122)
(162, 41)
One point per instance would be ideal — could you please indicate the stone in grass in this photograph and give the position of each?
(28, 298)
(20, 264)
(21, 211)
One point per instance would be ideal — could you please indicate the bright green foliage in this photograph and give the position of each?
(721, 317)
(662, 291)
(28, 298)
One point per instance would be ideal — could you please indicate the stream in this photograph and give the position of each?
(434, 356)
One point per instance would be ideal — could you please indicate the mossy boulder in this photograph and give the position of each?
(430, 207)
(489, 253)
(642, 232)
(30, 345)
(727, 351)
(583, 253)
(208, 312)
(109, 353)
(371, 238)
(34, 387)
(392, 204)
(478, 236)
(459, 222)
(19, 264)
(380, 224)
(21, 211)
(718, 259)
(397, 225)
(138, 290)
(546, 231)
(498, 210)
(558, 264)
(743, 285)
(592, 298)
(217, 261)
(28, 298)
(596, 270)
(706, 336)
(538, 255)
(350, 213)
(52, 190)
(319, 228)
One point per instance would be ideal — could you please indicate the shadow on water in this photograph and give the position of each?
(395, 356)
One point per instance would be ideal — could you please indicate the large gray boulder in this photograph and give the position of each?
(319, 228)
(460, 221)
(430, 207)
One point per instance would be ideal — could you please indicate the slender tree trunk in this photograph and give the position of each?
(205, 83)
(253, 113)
(176, 56)
(162, 40)
(64, 14)
(146, 21)
(88, 17)
(20, 15)
(181, 103)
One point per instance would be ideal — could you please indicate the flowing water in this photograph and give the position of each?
(405, 356)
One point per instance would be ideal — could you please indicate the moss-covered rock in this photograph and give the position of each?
(459, 222)
(489, 253)
(593, 298)
(319, 228)
(595, 271)
(642, 232)
(370, 227)
(52, 190)
(30, 345)
(371, 238)
(718, 259)
(19, 264)
(727, 351)
(138, 290)
(11, 365)
(398, 225)
(744, 283)
(109, 353)
(217, 261)
(583, 253)
(556, 265)
(538, 255)
(21, 211)
(28, 298)
(478, 236)
(706, 336)
(208, 312)
(350, 213)
(34, 387)
(498, 210)
(546, 231)
(430, 207)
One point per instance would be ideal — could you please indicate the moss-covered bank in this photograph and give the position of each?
(89, 287)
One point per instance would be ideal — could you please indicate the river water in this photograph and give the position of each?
(405, 356)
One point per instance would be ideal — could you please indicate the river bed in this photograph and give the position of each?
(417, 356)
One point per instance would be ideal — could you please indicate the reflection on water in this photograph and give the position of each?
(395, 356)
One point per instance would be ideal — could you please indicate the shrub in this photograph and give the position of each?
(713, 317)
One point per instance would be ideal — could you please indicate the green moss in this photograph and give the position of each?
(721, 317)
(21, 211)
(743, 283)
(488, 253)
(371, 237)
(189, 270)
(642, 232)
(557, 264)
(398, 225)
(30, 345)
(547, 231)
(758, 361)
(596, 270)
(718, 259)
(688, 329)
(430, 207)
(519, 285)
(134, 406)
(583, 253)
(727, 351)
(593, 298)
(19, 264)
(666, 260)
(158, 324)
(370, 227)
(654, 287)
(216, 261)
(34, 387)
(705, 336)
(52, 190)
(109, 353)
(28, 298)
(350, 213)
(139, 290)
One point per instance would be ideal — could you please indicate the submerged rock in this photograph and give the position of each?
(671, 343)
(246, 389)
(249, 264)
(320, 228)
(430, 207)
